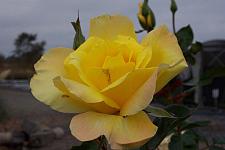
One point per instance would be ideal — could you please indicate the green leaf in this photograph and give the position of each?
(200, 137)
(167, 125)
(90, 145)
(189, 139)
(185, 37)
(187, 125)
(158, 112)
(176, 143)
(196, 47)
(190, 58)
(180, 111)
(78, 38)
(186, 141)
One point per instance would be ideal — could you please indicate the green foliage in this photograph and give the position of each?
(186, 141)
(185, 37)
(190, 58)
(158, 112)
(193, 49)
(78, 38)
(190, 140)
(90, 145)
(175, 143)
(167, 125)
(185, 138)
(191, 125)
(196, 47)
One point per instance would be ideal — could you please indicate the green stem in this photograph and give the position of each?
(173, 22)
(102, 143)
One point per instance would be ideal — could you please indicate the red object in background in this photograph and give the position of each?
(168, 92)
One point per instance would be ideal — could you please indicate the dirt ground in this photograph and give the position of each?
(20, 105)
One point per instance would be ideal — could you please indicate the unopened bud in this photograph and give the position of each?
(146, 16)
(173, 6)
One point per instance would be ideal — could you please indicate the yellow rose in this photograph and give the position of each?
(109, 80)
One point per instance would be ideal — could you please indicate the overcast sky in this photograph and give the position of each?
(50, 19)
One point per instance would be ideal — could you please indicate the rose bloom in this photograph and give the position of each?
(109, 80)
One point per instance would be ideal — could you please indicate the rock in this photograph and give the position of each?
(12, 138)
(59, 132)
(31, 135)
(41, 138)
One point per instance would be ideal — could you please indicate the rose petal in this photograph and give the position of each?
(144, 57)
(42, 87)
(165, 50)
(117, 129)
(169, 73)
(78, 62)
(86, 94)
(52, 60)
(104, 27)
(142, 97)
(123, 89)
(136, 145)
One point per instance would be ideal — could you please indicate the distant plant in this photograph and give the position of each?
(25, 43)
(2, 57)
(3, 75)
(27, 51)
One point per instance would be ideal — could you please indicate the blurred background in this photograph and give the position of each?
(29, 27)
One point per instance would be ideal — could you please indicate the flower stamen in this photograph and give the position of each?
(106, 72)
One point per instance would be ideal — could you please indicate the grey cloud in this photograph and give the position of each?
(51, 18)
